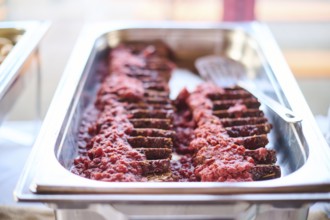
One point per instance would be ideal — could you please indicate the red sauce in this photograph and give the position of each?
(184, 125)
(183, 170)
(119, 87)
(238, 107)
(108, 156)
(121, 59)
(105, 153)
(262, 153)
(216, 157)
(206, 151)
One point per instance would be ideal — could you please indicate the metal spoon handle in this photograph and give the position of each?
(285, 113)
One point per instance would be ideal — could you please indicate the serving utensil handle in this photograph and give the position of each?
(282, 111)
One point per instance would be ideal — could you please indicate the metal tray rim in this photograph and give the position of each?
(99, 29)
(33, 32)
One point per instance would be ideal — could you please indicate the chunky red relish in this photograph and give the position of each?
(133, 132)
(216, 157)
(109, 157)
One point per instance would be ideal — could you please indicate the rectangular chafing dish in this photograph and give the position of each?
(24, 36)
(302, 151)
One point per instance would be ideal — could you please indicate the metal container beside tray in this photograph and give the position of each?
(301, 150)
(18, 49)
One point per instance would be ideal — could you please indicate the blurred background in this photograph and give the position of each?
(301, 28)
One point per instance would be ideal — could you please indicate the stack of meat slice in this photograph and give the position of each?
(127, 134)
(242, 124)
(152, 116)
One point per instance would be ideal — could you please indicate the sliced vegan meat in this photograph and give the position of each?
(152, 132)
(252, 142)
(251, 103)
(145, 113)
(155, 153)
(150, 142)
(229, 94)
(229, 122)
(266, 172)
(230, 146)
(239, 114)
(134, 132)
(119, 142)
(165, 124)
(248, 130)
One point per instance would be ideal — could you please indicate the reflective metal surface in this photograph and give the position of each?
(301, 150)
(25, 37)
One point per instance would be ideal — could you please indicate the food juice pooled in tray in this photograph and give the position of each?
(134, 132)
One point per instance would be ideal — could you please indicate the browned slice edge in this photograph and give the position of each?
(157, 100)
(248, 130)
(251, 103)
(229, 122)
(265, 172)
(148, 106)
(152, 132)
(155, 93)
(140, 74)
(149, 100)
(238, 114)
(230, 94)
(149, 79)
(156, 86)
(252, 142)
(155, 166)
(152, 123)
(155, 153)
(150, 142)
(146, 113)
(262, 156)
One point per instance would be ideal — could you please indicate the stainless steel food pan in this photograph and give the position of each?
(302, 152)
(25, 37)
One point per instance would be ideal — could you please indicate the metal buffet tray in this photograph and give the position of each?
(25, 36)
(301, 150)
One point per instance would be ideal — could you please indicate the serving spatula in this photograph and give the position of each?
(227, 72)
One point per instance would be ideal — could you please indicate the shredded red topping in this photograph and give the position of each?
(109, 157)
(132, 109)
(216, 157)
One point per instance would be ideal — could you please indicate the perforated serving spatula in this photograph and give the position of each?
(227, 72)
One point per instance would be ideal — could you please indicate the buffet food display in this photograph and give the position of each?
(19, 42)
(129, 132)
(134, 128)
